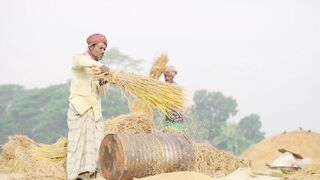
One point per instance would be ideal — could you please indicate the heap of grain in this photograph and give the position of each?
(214, 162)
(302, 142)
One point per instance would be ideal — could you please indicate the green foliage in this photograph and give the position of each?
(207, 122)
(231, 139)
(114, 103)
(250, 126)
(39, 113)
(42, 113)
(214, 108)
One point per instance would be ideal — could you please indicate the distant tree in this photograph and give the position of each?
(213, 107)
(7, 95)
(250, 126)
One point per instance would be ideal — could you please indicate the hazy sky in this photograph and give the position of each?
(263, 53)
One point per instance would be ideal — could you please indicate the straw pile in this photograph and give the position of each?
(18, 156)
(301, 142)
(166, 97)
(130, 124)
(170, 130)
(214, 162)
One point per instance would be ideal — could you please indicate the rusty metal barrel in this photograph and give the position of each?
(124, 156)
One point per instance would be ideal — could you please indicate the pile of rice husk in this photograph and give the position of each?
(214, 162)
(132, 123)
(18, 157)
(300, 142)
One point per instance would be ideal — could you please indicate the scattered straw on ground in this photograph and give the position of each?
(214, 162)
(301, 142)
(130, 124)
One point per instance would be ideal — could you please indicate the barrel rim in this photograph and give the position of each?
(119, 157)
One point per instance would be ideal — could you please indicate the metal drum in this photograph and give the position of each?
(124, 156)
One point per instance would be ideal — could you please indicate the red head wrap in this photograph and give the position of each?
(96, 38)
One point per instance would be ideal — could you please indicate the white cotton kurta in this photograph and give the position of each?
(85, 122)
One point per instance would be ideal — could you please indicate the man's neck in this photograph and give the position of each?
(92, 57)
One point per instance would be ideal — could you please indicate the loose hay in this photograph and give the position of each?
(56, 151)
(214, 162)
(17, 156)
(170, 130)
(130, 124)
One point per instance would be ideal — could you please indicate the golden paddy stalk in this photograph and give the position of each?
(168, 98)
(138, 105)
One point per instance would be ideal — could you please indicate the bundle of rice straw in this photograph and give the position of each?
(158, 66)
(56, 151)
(137, 105)
(166, 97)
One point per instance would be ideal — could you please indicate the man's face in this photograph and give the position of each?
(169, 75)
(97, 51)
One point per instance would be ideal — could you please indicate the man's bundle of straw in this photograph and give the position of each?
(166, 97)
(138, 105)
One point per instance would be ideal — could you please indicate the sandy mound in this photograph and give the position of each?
(304, 143)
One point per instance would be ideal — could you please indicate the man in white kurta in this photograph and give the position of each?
(85, 122)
